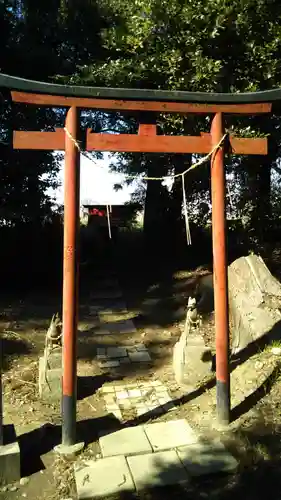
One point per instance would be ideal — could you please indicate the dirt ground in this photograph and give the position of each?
(253, 436)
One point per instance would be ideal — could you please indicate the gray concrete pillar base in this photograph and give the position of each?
(69, 450)
(9, 457)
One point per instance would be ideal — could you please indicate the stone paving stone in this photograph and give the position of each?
(126, 326)
(157, 469)
(157, 384)
(131, 348)
(125, 361)
(140, 347)
(139, 357)
(135, 401)
(157, 410)
(117, 414)
(100, 350)
(119, 388)
(126, 404)
(141, 411)
(140, 404)
(111, 407)
(109, 398)
(146, 393)
(154, 400)
(116, 352)
(103, 477)
(161, 391)
(163, 401)
(166, 435)
(134, 393)
(206, 458)
(144, 385)
(108, 388)
(102, 331)
(109, 364)
(101, 353)
(128, 441)
(122, 394)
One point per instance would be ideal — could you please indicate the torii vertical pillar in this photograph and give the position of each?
(70, 278)
(220, 273)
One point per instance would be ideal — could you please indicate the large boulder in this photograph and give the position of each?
(254, 302)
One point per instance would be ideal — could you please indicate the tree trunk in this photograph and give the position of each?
(153, 210)
(174, 216)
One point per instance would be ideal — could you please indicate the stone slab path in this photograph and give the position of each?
(122, 355)
(149, 455)
(112, 328)
(140, 397)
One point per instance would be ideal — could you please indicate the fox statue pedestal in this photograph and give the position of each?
(192, 361)
(50, 375)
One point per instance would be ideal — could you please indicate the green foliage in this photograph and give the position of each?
(39, 40)
(208, 45)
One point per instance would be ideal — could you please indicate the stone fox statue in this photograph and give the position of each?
(54, 333)
(52, 341)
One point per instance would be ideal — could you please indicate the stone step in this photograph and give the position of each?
(125, 473)
(103, 477)
(172, 434)
(207, 458)
(157, 469)
(127, 441)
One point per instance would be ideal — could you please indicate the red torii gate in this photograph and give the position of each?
(147, 140)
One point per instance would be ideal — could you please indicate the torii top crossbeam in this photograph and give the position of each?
(106, 93)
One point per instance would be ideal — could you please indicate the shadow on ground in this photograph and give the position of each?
(11, 347)
(39, 442)
(87, 386)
